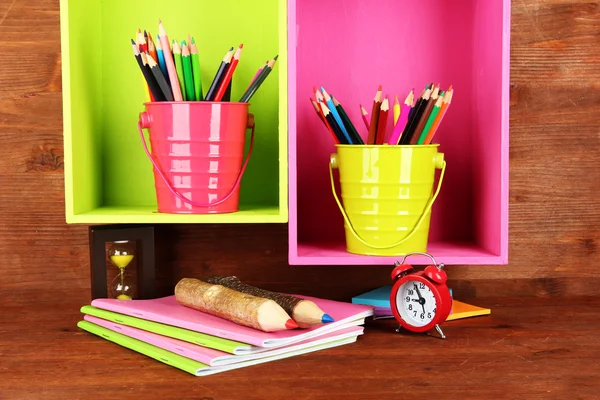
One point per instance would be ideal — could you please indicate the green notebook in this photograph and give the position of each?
(191, 366)
(202, 339)
(167, 357)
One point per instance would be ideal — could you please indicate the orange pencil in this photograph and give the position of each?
(375, 116)
(445, 104)
(152, 48)
(382, 123)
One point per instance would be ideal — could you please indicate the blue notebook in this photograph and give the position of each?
(379, 297)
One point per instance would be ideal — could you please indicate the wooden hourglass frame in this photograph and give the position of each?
(141, 238)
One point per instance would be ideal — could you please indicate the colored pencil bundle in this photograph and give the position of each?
(172, 71)
(413, 122)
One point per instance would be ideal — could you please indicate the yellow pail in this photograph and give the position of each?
(387, 193)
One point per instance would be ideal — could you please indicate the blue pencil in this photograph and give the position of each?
(336, 115)
(161, 58)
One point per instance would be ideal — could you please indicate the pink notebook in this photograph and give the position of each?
(168, 311)
(214, 357)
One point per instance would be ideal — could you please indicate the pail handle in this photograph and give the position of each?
(250, 125)
(333, 164)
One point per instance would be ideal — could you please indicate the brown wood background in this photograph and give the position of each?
(554, 178)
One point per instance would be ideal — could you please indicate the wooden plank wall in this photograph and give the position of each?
(554, 179)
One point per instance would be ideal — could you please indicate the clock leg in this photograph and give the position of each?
(437, 328)
(399, 328)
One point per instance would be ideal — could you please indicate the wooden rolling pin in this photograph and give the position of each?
(241, 308)
(304, 312)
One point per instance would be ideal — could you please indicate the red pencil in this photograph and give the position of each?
(375, 116)
(229, 73)
(382, 123)
(141, 42)
(324, 120)
(365, 119)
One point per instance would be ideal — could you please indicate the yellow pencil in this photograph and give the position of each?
(396, 110)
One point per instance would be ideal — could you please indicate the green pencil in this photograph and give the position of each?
(196, 71)
(187, 72)
(431, 119)
(179, 68)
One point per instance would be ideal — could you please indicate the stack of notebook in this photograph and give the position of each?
(203, 344)
(380, 299)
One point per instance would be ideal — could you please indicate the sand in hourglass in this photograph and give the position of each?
(121, 262)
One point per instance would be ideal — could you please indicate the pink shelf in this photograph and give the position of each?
(352, 46)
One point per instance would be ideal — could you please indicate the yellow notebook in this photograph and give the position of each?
(464, 310)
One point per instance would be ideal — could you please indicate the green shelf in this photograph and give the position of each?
(108, 178)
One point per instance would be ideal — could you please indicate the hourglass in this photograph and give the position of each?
(120, 254)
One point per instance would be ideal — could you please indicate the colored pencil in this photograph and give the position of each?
(160, 79)
(445, 104)
(434, 112)
(219, 75)
(425, 116)
(364, 114)
(382, 122)
(152, 84)
(336, 115)
(324, 120)
(179, 69)
(227, 95)
(375, 116)
(257, 74)
(229, 74)
(396, 110)
(161, 59)
(196, 71)
(188, 75)
(152, 48)
(141, 41)
(138, 58)
(356, 139)
(259, 80)
(168, 55)
(401, 124)
(336, 129)
(413, 118)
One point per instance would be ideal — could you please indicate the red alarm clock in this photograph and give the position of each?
(420, 300)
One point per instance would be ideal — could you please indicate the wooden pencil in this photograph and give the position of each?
(160, 79)
(396, 110)
(138, 58)
(229, 74)
(304, 312)
(432, 116)
(445, 104)
(257, 74)
(196, 71)
(152, 48)
(324, 120)
(152, 84)
(170, 63)
(336, 129)
(188, 75)
(161, 59)
(259, 80)
(364, 114)
(425, 115)
(214, 86)
(141, 41)
(356, 139)
(337, 116)
(375, 116)
(382, 123)
(403, 119)
(179, 69)
(413, 118)
(241, 308)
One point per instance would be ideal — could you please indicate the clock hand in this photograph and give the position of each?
(420, 297)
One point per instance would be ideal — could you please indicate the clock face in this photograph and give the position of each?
(416, 303)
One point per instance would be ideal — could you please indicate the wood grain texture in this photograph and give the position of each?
(521, 349)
